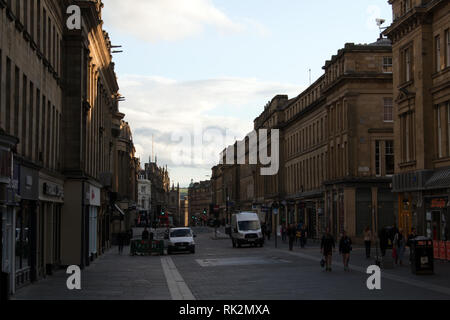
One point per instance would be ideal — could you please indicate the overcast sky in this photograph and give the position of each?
(194, 70)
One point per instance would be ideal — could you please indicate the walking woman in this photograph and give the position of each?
(399, 244)
(345, 247)
(368, 241)
(327, 246)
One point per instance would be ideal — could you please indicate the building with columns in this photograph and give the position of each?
(420, 35)
(59, 100)
(336, 150)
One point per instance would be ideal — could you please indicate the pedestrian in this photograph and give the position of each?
(399, 244)
(327, 246)
(264, 230)
(145, 234)
(121, 241)
(283, 232)
(368, 241)
(411, 237)
(303, 236)
(269, 231)
(345, 247)
(291, 233)
(383, 236)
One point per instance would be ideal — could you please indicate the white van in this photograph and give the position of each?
(246, 229)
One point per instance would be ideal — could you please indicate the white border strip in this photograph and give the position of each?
(178, 288)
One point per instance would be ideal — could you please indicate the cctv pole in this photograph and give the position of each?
(275, 213)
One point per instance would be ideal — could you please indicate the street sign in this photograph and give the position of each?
(275, 211)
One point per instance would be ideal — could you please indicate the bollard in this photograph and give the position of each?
(448, 251)
(436, 250)
(442, 251)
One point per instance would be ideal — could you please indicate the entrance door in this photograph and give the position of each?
(436, 225)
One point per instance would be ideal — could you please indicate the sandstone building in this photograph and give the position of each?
(420, 35)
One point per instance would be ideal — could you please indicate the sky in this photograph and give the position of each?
(196, 73)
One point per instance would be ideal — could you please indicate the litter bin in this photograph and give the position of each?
(4, 283)
(422, 257)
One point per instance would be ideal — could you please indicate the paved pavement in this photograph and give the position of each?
(219, 272)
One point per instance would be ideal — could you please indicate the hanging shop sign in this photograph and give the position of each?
(438, 203)
(93, 196)
(52, 190)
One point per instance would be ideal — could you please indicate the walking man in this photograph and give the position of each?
(303, 236)
(291, 233)
(327, 246)
(145, 234)
(368, 241)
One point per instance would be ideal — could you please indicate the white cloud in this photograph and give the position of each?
(164, 107)
(170, 20)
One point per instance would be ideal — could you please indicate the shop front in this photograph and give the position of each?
(8, 204)
(28, 226)
(437, 217)
(51, 198)
(93, 203)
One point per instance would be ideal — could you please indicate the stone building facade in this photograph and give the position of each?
(420, 34)
(200, 201)
(336, 150)
(31, 99)
(59, 97)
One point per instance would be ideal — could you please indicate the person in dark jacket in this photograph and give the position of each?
(145, 234)
(268, 231)
(384, 239)
(263, 230)
(345, 247)
(303, 236)
(291, 233)
(327, 246)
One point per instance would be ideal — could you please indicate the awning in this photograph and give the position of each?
(439, 180)
(119, 210)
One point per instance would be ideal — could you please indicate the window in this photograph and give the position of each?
(38, 28)
(16, 101)
(377, 158)
(8, 95)
(389, 157)
(439, 133)
(387, 64)
(388, 110)
(438, 53)
(447, 47)
(25, 111)
(32, 119)
(38, 122)
(407, 64)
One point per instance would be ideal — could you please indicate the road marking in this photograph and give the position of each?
(178, 288)
(417, 283)
(239, 261)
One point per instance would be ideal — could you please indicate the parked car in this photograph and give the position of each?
(246, 229)
(181, 239)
